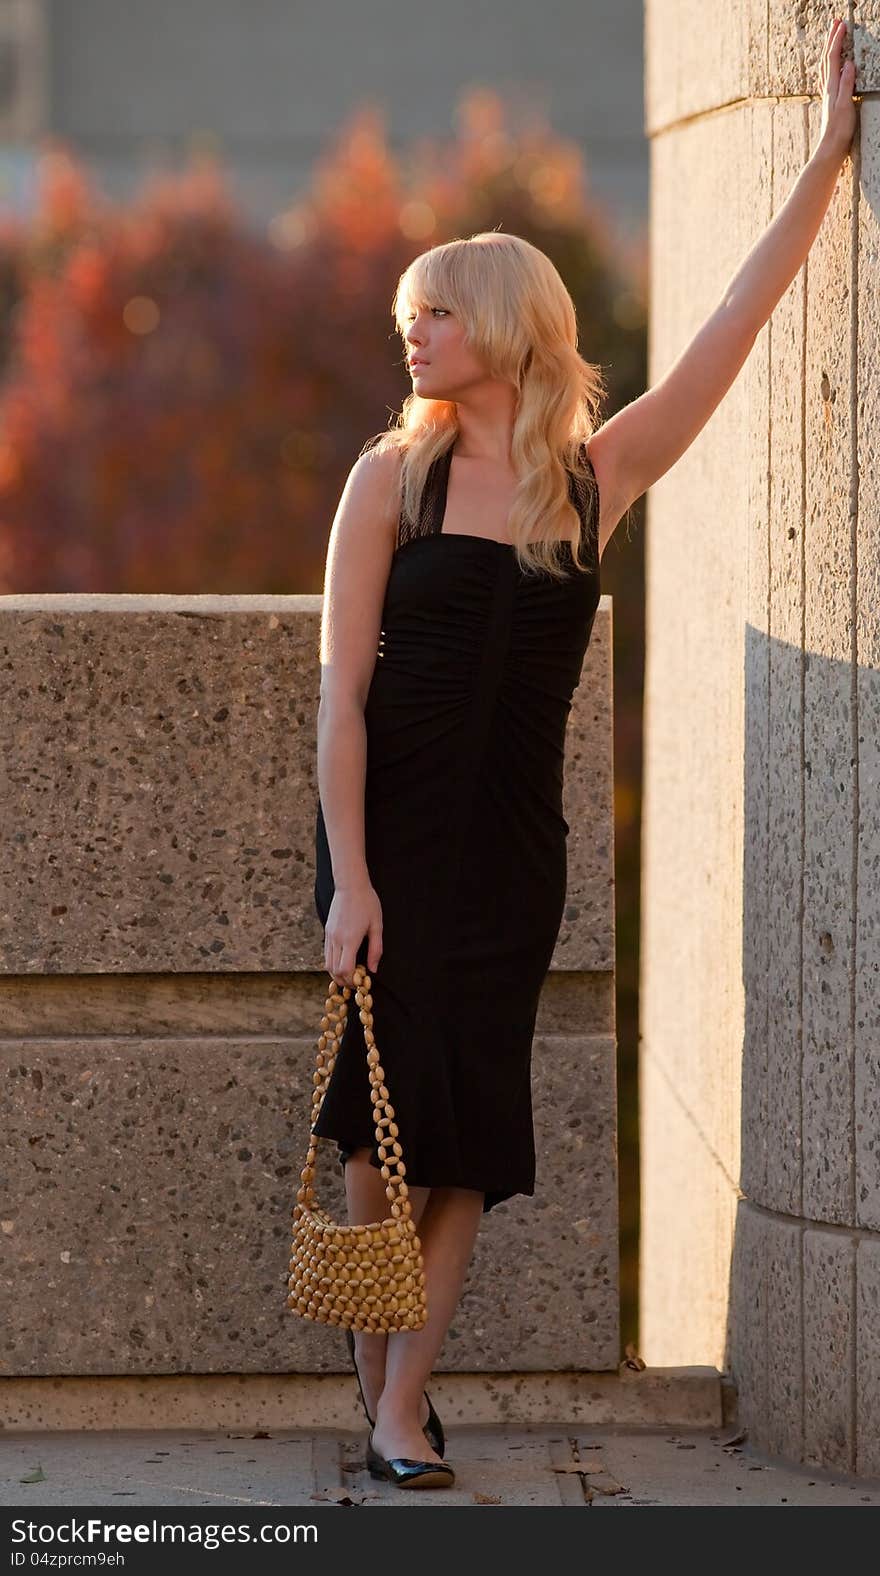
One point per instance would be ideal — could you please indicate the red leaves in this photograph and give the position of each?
(183, 395)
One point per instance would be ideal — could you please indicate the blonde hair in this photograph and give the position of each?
(520, 320)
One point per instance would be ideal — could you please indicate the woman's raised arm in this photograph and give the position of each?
(641, 442)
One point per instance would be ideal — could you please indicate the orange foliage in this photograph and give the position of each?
(183, 396)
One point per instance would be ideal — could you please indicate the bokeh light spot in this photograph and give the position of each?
(140, 315)
(417, 220)
(288, 230)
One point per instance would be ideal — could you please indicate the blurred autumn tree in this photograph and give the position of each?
(181, 397)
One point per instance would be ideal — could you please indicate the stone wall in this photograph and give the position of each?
(761, 970)
(161, 983)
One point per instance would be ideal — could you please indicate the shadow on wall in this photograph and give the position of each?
(804, 1346)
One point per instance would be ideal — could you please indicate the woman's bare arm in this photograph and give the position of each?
(641, 442)
(359, 553)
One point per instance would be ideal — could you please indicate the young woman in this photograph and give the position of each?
(462, 580)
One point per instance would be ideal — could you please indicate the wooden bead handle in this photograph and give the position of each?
(387, 1133)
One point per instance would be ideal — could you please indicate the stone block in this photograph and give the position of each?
(698, 56)
(766, 1346)
(868, 1357)
(702, 57)
(829, 736)
(783, 1254)
(867, 959)
(183, 743)
(829, 1334)
(747, 1354)
(542, 1288)
(148, 1196)
(586, 935)
(756, 723)
(782, 1190)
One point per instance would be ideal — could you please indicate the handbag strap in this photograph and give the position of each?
(387, 1132)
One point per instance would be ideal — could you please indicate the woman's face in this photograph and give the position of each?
(445, 365)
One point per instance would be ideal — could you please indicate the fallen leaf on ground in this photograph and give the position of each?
(632, 1358)
(336, 1496)
(599, 1479)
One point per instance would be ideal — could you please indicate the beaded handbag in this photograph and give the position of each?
(364, 1277)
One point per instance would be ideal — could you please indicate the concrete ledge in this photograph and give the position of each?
(664, 1397)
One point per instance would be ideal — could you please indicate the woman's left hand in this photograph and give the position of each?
(838, 109)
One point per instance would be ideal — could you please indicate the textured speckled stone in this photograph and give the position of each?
(756, 725)
(147, 1212)
(868, 1357)
(548, 1271)
(805, 778)
(829, 745)
(782, 1188)
(270, 1003)
(149, 1187)
(829, 1333)
(867, 961)
(866, 44)
(783, 1257)
(183, 741)
(178, 733)
(586, 935)
(652, 1397)
(747, 1352)
(701, 54)
(766, 1330)
(576, 1003)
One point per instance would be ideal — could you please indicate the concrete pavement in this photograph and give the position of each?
(603, 1467)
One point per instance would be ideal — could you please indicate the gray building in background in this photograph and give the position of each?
(268, 83)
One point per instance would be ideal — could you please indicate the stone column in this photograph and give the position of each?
(761, 951)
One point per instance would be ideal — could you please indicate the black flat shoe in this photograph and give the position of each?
(406, 1472)
(433, 1429)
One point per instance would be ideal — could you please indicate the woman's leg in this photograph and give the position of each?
(367, 1201)
(447, 1230)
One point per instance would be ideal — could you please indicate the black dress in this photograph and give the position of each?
(465, 844)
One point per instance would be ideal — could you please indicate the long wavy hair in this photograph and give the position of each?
(520, 320)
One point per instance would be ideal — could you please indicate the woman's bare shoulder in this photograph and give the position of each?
(372, 487)
(376, 476)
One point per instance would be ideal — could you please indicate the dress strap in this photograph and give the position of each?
(430, 516)
(433, 500)
(586, 501)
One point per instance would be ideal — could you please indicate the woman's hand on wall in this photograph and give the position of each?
(837, 77)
